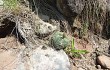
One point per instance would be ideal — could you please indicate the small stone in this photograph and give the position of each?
(80, 69)
(98, 66)
(104, 61)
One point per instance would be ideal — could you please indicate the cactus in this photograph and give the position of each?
(59, 41)
(10, 4)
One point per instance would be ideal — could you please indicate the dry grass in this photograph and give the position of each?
(93, 16)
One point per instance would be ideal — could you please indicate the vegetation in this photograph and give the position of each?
(60, 41)
(10, 4)
(85, 29)
(75, 52)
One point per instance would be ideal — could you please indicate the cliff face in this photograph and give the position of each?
(37, 38)
(93, 15)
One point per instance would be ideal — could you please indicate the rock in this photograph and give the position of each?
(49, 59)
(44, 27)
(77, 23)
(70, 8)
(108, 5)
(98, 66)
(42, 58)
(45, 59)
(104, 61)
(80, 69)
(103, 4)
(44, 17)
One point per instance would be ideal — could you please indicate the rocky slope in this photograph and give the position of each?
(29, 39)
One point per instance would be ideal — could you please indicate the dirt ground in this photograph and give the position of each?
(10, 54)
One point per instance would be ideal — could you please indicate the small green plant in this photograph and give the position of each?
(75, 52)
(59, 40)
(84, 29)
(10, 4)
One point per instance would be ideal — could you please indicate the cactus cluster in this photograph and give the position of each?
(59, 41)
(10, 4)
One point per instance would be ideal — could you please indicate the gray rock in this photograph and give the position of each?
(44, 17)
(49, 59)
(44, 27)
(76, 5)
(108, 5)
(44, 58)
(70, 8)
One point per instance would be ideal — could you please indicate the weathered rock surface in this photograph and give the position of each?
(101, 46)
(80, 69)
(70, 8)
(49, 59)
(108, 5)
(104, 61)
(44, 27)
(42, 58)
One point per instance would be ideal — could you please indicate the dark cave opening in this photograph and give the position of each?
(9, 28)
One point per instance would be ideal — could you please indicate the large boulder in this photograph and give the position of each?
(70, 8)
(44, 58)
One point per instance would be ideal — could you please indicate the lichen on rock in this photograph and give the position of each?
(44, 27)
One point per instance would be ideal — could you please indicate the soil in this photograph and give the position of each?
(96, 46)
(10, 49)
(9, 52)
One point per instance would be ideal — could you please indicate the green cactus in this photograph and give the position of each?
(10, 4)
(59, 41)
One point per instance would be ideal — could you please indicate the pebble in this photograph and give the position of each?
(104, 61)
(80, 69)
(98, 66)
